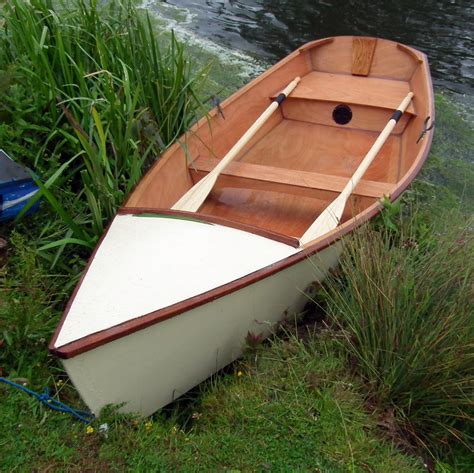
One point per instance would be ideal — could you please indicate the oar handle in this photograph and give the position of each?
(404, 105)
(289, 88)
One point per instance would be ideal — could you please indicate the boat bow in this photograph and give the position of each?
(148, 262)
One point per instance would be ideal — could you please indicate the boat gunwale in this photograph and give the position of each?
(123, 329)
(213, 219)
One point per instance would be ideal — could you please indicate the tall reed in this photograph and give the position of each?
(403, 302)
(116, 93)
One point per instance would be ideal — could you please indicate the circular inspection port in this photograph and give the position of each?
(342, 114)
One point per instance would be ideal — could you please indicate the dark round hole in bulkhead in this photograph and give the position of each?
(342, 114)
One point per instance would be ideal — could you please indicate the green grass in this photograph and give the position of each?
(109, 97)
(295, 409)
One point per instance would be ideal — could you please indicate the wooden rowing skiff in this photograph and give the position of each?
(180, 276)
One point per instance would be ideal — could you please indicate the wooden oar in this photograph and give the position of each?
(330, 217)
(193, 199)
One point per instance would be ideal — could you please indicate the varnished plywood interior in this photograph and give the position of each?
(322, 149)
(343, 88)
(262, 187)
(389, 61)
(321, 113)
(281, 213)
(301, 158)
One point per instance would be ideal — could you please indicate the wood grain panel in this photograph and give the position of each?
(362, 55)
(341, 88)
(280, 213)
(363, 118)
(325, 150)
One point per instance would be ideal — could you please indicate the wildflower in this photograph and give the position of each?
(59, 383)
(239, 374)
(196, 415)
(174, 429)
(148, 425)
(89, 430)
(104, 430)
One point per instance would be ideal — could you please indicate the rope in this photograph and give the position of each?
(52, 403)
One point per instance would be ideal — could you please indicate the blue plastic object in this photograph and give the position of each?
(16, 188)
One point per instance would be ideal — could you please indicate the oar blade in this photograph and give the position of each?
(329, 218)
(194, 198)
(327, 221)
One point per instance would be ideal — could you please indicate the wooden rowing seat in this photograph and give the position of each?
(290, 181)
(372, 100)
(367, 91)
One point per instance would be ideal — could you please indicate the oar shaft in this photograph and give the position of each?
(193, 199)
(250, 133)
(331, 215)
(377, 146)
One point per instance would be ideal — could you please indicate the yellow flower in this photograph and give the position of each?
(148, 425)
(174, 429)
(239, 374)
(59, 383)
(89, 430)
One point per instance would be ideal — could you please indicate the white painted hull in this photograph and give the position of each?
(148, 369)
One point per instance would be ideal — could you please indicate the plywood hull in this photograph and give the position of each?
(150, 368)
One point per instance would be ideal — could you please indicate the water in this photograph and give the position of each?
(263, 31)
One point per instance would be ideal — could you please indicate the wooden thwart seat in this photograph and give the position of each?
(353, 90)
(288, 180)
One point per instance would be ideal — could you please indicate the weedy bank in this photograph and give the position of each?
(109, 96)
(402, 306)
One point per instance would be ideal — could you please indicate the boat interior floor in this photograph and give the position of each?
(287, 177)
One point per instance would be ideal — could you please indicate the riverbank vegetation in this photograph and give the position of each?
(108, 97)
(401, 302)
(375, 376)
